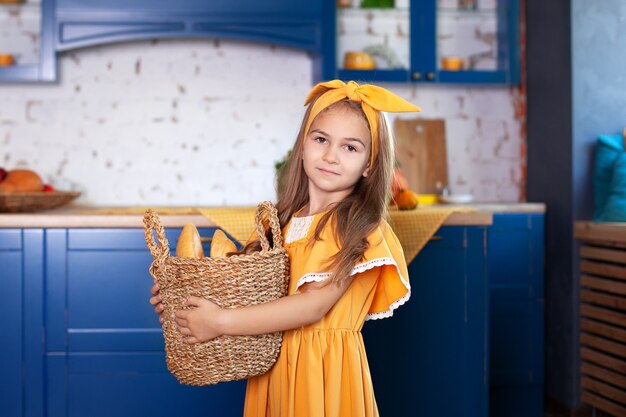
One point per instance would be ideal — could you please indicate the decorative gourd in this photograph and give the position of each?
(21, 180)
(398, 183)
(221, 245)
(406, 200)
(189, 244)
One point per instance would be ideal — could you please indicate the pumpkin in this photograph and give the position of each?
(398, 183)
(406, 199)
(221, 245)
(21, 180)
(189, 244)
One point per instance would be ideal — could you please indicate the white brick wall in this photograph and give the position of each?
(201, 122)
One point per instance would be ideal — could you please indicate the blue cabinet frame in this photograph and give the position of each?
(423, 61)
(516, 285)
(11, 320)
(22, 320)
(46, 69)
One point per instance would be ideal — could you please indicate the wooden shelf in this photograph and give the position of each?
(603, 315)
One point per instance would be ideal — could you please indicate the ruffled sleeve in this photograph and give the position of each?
(385, 252)
(393, 288)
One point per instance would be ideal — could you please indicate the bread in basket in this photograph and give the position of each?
(229, 282)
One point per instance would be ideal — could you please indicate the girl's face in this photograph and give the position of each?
(336, 153)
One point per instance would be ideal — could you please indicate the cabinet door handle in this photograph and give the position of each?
(417, 75)
(436, 238)
(430, 75)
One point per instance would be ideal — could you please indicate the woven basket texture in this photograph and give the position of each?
(230, 282)
(34, 201)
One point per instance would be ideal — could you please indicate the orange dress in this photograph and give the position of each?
(322, 368)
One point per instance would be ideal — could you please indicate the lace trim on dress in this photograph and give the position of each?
(321, 276)
(298, 228)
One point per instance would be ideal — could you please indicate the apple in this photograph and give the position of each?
(3, 174)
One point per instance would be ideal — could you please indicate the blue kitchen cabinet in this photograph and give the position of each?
(11, 321)
(104, 351)
(83, 340)
(300, 25)
(431, 358)
(21, 321)
(516, 270)
(294, 24)
(426, 48)
(45, 67)
(73, 24)
(309, 26)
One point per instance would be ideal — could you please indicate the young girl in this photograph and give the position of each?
(347, 265)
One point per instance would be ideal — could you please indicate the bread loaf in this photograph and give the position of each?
(189, 244)
(221, 245)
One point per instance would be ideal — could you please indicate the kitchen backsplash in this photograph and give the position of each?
(202, 122)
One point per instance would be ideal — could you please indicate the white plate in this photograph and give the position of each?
(456, 198)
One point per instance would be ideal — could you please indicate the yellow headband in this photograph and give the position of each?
(371, 97)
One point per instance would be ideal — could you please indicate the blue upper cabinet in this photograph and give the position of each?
(72, 24)
(89, 22)
(33, 56)
(445, 41)
(432, 41)
(299, 24)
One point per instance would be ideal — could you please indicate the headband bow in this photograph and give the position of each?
(371, 97)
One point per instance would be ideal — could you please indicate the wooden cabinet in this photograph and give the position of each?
(28, 34)
(603, 315)
(424, 40)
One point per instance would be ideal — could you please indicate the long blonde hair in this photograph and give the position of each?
(356, 216)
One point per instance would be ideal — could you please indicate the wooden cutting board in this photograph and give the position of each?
(421, 152)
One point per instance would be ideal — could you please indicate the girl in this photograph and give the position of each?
(347, 265)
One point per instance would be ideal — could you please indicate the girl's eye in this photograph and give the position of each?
(351, 148)
(320, 139)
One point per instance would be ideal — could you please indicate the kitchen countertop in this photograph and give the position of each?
(77, 216)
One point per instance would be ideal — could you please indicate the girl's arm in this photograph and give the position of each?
(207, 321)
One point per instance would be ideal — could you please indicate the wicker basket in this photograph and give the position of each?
(34, 201)
(235, 281)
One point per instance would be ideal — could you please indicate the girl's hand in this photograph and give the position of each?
(155, 300)
(199, 324)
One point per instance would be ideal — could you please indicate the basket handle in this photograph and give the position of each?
(262, 208)
(160, 250)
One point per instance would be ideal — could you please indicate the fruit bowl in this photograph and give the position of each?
(16, 202)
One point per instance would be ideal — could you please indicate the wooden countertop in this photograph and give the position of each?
(77, 217)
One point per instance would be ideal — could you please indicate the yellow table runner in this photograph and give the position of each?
(414, 228)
